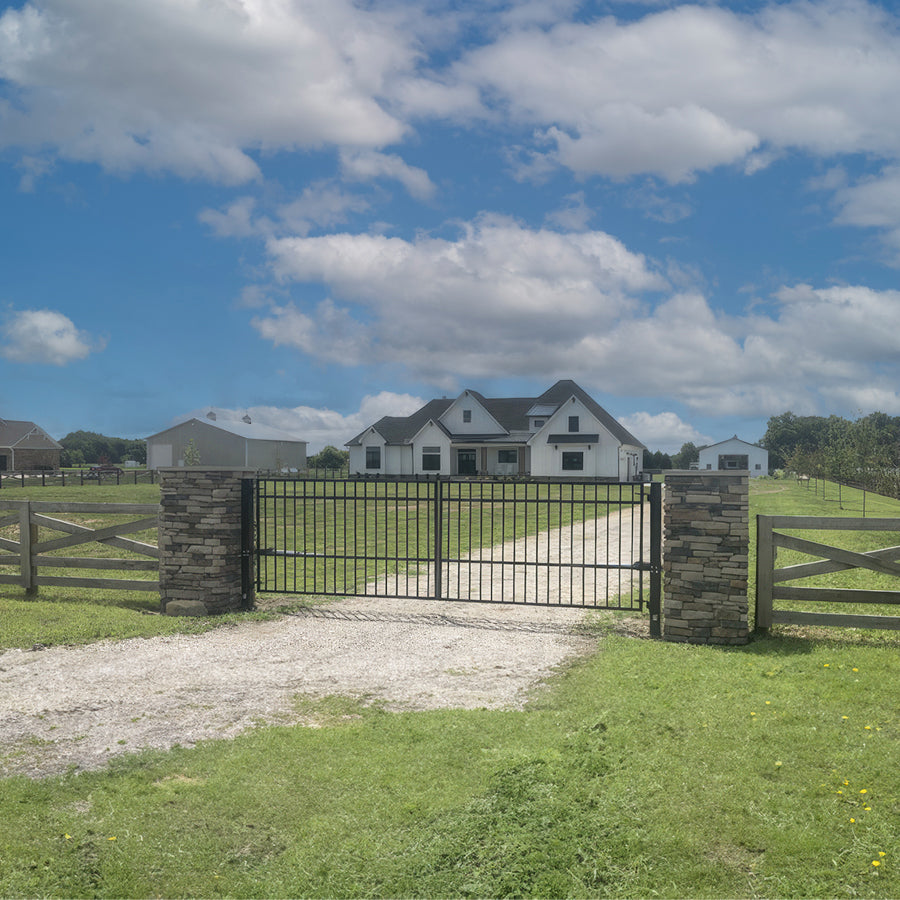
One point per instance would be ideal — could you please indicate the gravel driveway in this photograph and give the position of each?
(76, 707)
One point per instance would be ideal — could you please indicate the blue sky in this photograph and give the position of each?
(321, 212)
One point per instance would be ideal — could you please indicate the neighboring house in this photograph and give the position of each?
(562, 433)
(225, 443)
(735, 454)
(24, 447)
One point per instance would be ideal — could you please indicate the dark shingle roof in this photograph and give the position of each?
(399, 429)
(510, 412)
(25, 436)
(565, 389)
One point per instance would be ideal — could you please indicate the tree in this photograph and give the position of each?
(329, 458)
(82, 448)
(689, 453)
(191, 454)
(657, 460)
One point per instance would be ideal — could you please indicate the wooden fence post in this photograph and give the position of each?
(765, 564)
(28, 537)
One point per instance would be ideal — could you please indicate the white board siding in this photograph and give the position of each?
(431, 436)
(757, 457)
(601, 459)
(482, 421)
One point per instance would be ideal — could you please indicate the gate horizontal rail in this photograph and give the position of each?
(770, 581)
(29, 554)
(582, 543)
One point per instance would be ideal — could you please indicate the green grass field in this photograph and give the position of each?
(646, 770)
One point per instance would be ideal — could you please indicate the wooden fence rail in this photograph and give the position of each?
(29, 553)
(770, 580)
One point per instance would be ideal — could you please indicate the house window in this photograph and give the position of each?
(507, 456)
(467, 415)
(539, 423)
(573, 461)
(573, 424)
(431, 459)
(373, 457)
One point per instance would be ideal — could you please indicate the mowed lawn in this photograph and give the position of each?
(647, 769)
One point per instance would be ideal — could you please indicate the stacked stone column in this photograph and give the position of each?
(200, 541)
(706, 541)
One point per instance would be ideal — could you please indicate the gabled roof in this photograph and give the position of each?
(511, 413)
(25, 436)
(728, 441)
(400, 429)
(248, 430)
(564, 390)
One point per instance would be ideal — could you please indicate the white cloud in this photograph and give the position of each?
(873, 202)
(533, 294)
(206, 89)
(664, 431)
(319, 427)
(322, 204)
(235, 221)
(329, 334)
(193, 87)
(45, 336)
(576, 305)
(687, 89)
(368, 165)
(574, 216)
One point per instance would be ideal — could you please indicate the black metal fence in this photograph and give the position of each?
(63, 477)
(572, 543)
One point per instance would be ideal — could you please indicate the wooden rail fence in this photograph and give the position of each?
(29, 554)
(770, 580)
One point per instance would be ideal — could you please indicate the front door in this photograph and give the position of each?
(465, 462)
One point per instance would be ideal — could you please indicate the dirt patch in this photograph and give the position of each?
(77, 707)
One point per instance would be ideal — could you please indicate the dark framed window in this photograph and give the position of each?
(373, 457)
(573, 461)
(507, 456)
(431, 459)
(573, 424)
(467, 415)
(539, 423)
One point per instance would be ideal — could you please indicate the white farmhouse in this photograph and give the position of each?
(735, 454)
(562, 433)
(226, 443)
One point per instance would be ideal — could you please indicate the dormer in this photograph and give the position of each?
(539, 414)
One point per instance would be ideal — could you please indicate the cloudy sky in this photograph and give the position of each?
(323, 211)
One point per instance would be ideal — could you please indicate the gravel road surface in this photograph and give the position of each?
(67, 708)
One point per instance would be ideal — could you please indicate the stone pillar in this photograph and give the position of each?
(200, 541)
(706, 544)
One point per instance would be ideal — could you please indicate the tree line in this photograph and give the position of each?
(863, 452)
(83, 448)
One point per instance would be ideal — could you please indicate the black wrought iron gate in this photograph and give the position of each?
(574, 543)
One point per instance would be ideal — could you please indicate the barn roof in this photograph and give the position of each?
(20, 435)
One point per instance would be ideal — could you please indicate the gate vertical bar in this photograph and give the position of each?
(438, 537)
(655, 558)
(248, 486)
